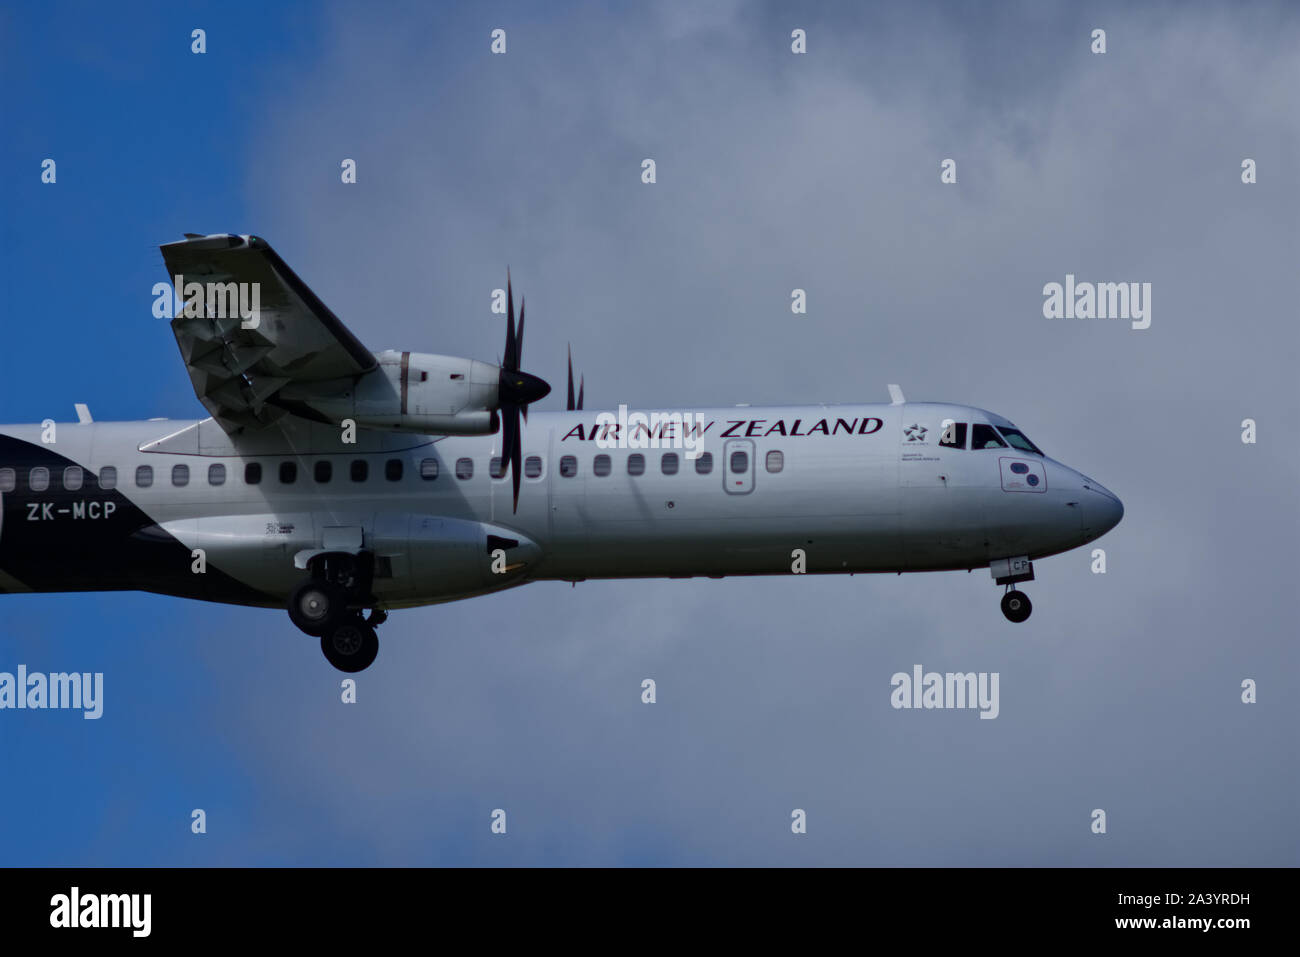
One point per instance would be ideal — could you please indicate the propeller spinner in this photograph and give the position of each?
(516, 390)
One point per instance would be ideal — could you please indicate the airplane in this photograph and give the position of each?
(340, 484)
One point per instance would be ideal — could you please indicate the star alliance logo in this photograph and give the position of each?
(915, 433)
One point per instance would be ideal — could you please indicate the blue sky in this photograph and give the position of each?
(140, 153)
(775, 171)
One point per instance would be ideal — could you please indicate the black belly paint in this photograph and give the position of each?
(59, 540)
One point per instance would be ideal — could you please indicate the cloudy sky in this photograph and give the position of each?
(775, 171)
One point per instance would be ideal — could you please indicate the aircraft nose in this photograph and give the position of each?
(1102, 510)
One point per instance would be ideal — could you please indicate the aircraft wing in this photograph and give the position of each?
(240, 357)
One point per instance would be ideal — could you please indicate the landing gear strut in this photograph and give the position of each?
(328, 606)
(1010, 571)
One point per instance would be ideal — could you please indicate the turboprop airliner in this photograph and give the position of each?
(341, 484)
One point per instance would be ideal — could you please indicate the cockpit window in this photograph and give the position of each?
(953, 435)
(985, 437)
(1018, 440)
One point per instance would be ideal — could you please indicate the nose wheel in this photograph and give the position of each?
(1016, 606)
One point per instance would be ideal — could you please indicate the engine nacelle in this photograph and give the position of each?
(410, 392)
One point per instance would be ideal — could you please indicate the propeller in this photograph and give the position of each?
(581, 385)
(515, 391)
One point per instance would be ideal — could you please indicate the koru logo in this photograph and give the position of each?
(915, 433)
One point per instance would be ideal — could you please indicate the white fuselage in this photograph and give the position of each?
(822, 489)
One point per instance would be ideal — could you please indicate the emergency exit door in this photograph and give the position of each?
(738, 466)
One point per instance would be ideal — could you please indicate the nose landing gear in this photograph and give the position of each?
(1010, 571)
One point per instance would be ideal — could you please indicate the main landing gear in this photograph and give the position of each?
(328, 606)
(350, 646)
(1010, 571)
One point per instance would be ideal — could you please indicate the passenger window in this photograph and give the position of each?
(497, 467)
(144, 476)
(8, 480)
(704, 464)
(252, 473)
(428, 469)
(38, 479)
(288, 473)
(953, 435)
(533, 466)
(108, 478)
(393, 470)
(180, 475)
(600, 466)
(669, 463)
(739, 462)
(984, 437)
(72, 478)
(217, 474)
(360, 470)
(568, 466)
(323, 471)
(464, 469)
(775, 460)
(636, 464)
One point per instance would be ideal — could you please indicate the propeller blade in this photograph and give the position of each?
(582, 384)
(509, 426)
(568, 405)
(509, 431)
(519, 335)
(511, 360)
(516, 463)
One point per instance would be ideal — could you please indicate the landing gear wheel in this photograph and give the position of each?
(316, 607)
(376, 617)
(1016, 606)
(350, 646)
